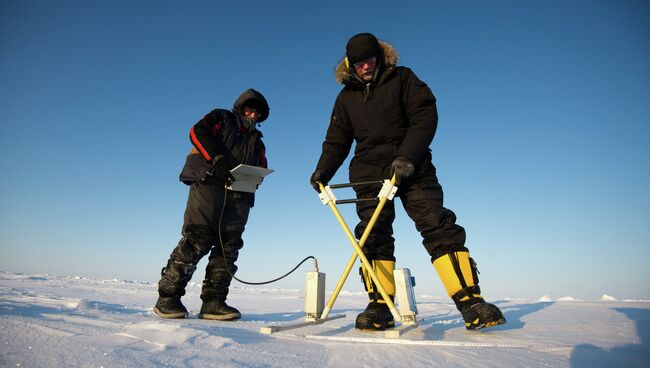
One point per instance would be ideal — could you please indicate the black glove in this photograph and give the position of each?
(221, 170)
(318, 176)
(402, 168)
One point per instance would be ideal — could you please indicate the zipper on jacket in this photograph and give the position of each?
(366, 92)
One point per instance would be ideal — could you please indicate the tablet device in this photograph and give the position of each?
(247, 178)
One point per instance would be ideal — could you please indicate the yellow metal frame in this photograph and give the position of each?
(358, 252)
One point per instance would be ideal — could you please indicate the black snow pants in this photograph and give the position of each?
(422, 199)
(201, 236)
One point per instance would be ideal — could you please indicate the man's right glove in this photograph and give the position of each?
(221, 170)
(318, 176)
(402, 168)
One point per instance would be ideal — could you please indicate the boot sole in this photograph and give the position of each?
(486, 325)
(178, 315)
(365, 325)
(486, 315)
(220, 317)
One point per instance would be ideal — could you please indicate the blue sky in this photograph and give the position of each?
(542, 146)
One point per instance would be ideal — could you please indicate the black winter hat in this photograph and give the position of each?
(255, 100)
(361, 47)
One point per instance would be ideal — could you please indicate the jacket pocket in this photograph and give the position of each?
(195, 169)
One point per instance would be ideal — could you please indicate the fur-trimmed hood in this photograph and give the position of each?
(391, 57)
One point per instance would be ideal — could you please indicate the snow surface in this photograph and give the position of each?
(53, 321)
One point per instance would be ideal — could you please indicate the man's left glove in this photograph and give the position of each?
(221, 170)
(402, 168)
(316, 177)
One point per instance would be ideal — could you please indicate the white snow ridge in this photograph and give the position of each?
(49, 321)
(568, 299)
(607, 298)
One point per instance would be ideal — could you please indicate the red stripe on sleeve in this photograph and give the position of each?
(198, 145)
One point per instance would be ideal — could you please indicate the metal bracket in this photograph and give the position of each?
(388, 190)
(327, 195)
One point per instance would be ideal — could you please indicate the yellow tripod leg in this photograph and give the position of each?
(358, 252)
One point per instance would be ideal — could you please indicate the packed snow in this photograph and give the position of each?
(55, 321)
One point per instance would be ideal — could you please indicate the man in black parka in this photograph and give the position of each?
(392, 117)
(214, 216)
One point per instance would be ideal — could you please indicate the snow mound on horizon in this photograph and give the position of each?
(545, 298)
(351, 293)
(568, 299)
(607, 298)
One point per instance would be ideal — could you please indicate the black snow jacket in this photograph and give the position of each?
(228, 134)
(394, 115)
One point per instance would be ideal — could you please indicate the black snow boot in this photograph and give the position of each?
(219, 310)
(477, 313)
(218, 276)
(170, 308)
(376, 317)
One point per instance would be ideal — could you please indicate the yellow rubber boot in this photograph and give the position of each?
(448, 266)
(459, 275)
(384, 271)
(377, 316)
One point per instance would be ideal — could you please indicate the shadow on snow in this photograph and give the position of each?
(630, 355)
